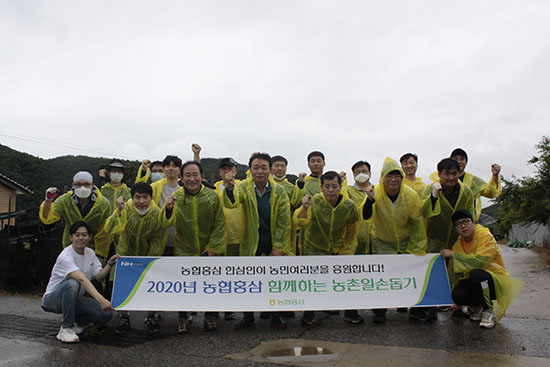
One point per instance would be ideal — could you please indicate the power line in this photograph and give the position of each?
(59, 144)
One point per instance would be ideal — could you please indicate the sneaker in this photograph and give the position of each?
(209, 323)
(278, 323)
(67, 335)
(308, 318)
(229, 316)
(265, 315)
(123, 325)
(245, 323)
(184, 324)
(353, 317)
(78, 329)
(153, 326)
(488, 319)
(419, 314)
(475, 313)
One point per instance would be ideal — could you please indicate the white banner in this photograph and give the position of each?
(280, 283)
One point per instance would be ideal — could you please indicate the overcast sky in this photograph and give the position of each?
(354, 79)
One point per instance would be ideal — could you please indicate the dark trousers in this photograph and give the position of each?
(469, 292)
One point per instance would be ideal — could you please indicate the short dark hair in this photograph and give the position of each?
(278, 158)
(156, 163)
(459, 152)
(315, 153)
(406, 156)
(262, 156)
(171, 159)
(142, 188)
(331, 175)
(359, 164)
(461, 214)
(189, 163)
(78, 224)
(447, 163)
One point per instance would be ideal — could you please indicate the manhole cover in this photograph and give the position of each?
(301, 354)
(46, 329)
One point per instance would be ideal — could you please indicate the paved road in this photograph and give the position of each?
(27, 336)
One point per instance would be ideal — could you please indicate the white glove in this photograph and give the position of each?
(436, 190)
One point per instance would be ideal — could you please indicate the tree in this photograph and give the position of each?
(526, 200)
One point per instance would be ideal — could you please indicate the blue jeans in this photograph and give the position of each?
(82, 309)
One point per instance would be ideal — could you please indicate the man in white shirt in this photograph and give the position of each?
(70, 291)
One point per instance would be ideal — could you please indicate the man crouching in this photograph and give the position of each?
(70, 291)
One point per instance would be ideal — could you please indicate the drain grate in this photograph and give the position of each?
(45, 329)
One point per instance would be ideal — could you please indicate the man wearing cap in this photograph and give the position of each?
(478, 276)
(83, 202)
(234, 218)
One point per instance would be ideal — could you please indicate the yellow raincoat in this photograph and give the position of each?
(245, 195)
(484, 254)
(441, 232)
(112, 193)
(364, 231)
(328, 229)
(198, 221)
(65, 207)
(234, 223)
(140, 177)
(289, 189)
(138, 235)
(479, 188)
(312, 186)
(416, 185)
(397, 227)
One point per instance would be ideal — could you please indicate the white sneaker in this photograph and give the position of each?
(67, 335)
(78, 329)
(488, 319)
(475, 313)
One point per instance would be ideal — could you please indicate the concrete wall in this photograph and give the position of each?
(536, 233)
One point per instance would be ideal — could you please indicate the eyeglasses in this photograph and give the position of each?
(79, 185)
(462, 222)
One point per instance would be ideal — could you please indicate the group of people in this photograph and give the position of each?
(181, 214)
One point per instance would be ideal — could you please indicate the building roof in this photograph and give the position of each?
(14, 185)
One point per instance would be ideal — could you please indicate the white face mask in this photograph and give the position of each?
(362, 178)
(83, 192)
(155, 176)
(116, 176)
(142, 212)
(277, 178)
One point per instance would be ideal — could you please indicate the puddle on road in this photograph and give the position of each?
(301, 353)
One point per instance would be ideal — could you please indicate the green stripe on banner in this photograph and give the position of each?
(136, 286)
(427, 278)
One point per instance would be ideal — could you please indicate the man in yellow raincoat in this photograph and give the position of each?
(409, 163)
(394, 212)
(357, 193)
(479, 278)
(329, 224)
(83, 203)
(137, 224)
(267, 219)
(196, 213)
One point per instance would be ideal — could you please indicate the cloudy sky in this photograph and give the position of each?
(354, 79)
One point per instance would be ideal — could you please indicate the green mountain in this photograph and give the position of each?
(38, 174)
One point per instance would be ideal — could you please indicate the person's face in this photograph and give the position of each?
(141, 200)
(392, 182)
(316, 165)
(192, 178)
(157, 168)
(225, 169)
(331, 189)
(448, 178)
(279, 168)
(259, 169)
(410, 166)
(80, 239)
(171, 170)
(465, 228)
(361, 169)
(462, 161)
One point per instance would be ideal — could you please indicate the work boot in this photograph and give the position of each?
(123, 325)
(153, 326)
(308, 318)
